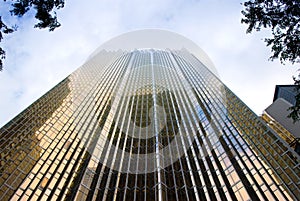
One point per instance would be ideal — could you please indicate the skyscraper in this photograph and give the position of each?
(145, 118)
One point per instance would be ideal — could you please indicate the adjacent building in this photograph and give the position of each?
(286, 92)
(145, 118)
(276, 115)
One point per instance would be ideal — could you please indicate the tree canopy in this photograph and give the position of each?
(282, 17)
(45, 13)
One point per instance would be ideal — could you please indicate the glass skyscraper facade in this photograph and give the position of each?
(144, 123)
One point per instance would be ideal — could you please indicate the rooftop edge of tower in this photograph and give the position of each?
(155, 39)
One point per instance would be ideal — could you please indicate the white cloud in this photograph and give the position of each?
(37, 60)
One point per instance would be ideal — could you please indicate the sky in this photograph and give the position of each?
(37, 59)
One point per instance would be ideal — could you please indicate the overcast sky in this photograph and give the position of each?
(37, 60)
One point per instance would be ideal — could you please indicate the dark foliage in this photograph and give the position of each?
(45, 13)
(4, 29)
(282, 17)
